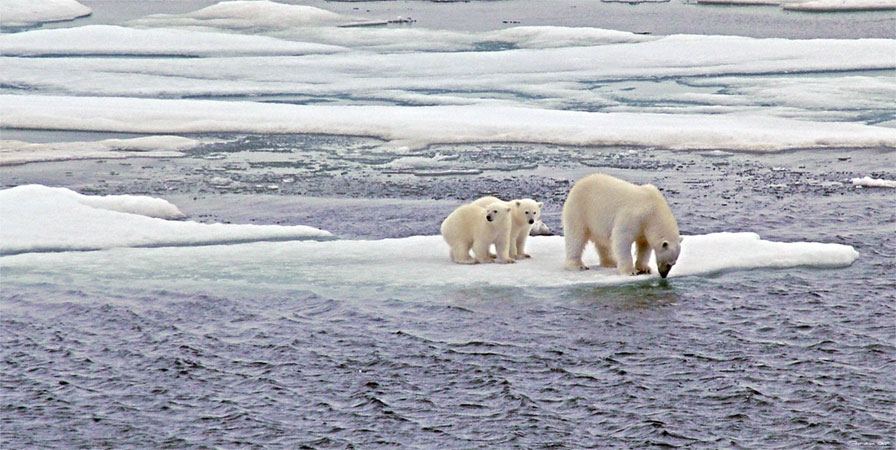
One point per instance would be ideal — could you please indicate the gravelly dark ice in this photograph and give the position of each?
(797, 358)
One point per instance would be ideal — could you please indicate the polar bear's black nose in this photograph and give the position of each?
(531, 221)
(488, 217)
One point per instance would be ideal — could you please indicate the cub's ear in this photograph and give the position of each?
(665, 245)
(508, 209)
(540, 204)
(517, 203)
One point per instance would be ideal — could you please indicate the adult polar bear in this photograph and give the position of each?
(614, 214)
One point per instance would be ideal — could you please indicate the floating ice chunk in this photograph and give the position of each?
(873, 182)
(115, 40)
(557, 37)
(410, 264)
(540, 228)
(840, 5)
(19, 13)
(36, 218)
(18, 152)
(242, 15)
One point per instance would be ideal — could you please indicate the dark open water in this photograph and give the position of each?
(797, 358)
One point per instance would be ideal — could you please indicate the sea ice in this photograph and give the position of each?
(18, 152)
(873, 182)
(421, 126)
(413, 263)
(36, 218)
(19, 13)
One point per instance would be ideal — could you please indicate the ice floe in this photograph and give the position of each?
(35, 218)
(107, 40)
(17, 152)
(439, 124)
(418, 262)
(20, 13)
(873, 182)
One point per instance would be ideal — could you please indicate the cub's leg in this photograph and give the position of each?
(519, 245)
(480, 250)
(460, 254)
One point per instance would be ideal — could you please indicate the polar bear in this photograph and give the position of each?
(472, 226)
(523, 214)
(613, 214)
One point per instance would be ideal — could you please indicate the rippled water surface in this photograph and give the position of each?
(95, 357)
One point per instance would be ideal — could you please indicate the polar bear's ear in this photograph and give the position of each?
(518, 203)
(540, 204)
(508, 209)
(665, 245)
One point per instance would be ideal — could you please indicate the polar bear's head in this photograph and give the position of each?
(526, 210)
(667, 255)
(497, 212)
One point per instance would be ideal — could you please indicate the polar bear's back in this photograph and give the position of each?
(461, 223)
(596, 199)
(484, 202)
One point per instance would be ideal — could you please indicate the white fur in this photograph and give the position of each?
(524, 213)
(469, 227)
(614, 214)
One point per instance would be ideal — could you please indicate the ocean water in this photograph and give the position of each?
(236, 346)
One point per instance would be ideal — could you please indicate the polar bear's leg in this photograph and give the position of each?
(519, 245)
(460, 253)
(605, 253)
(622, 239)
(642, 263)
(502, 248)
(575, 239)
(480, 250)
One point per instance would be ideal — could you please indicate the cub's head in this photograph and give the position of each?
(526, 210)
(497, 212)
(667, 255)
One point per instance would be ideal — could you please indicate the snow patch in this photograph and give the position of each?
(35, 218)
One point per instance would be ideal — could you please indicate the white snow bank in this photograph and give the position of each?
(439, 124)
(17, 13)
(116, 40)
(18, 152)
(36, 218)
(873, 182)
(840, 5)
(248, 15)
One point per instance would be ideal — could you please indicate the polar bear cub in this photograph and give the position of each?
(472, 226)
(613, 214)
(523, 214)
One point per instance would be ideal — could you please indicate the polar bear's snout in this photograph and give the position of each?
(664, 269)
(489, 217)
(531, 221)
